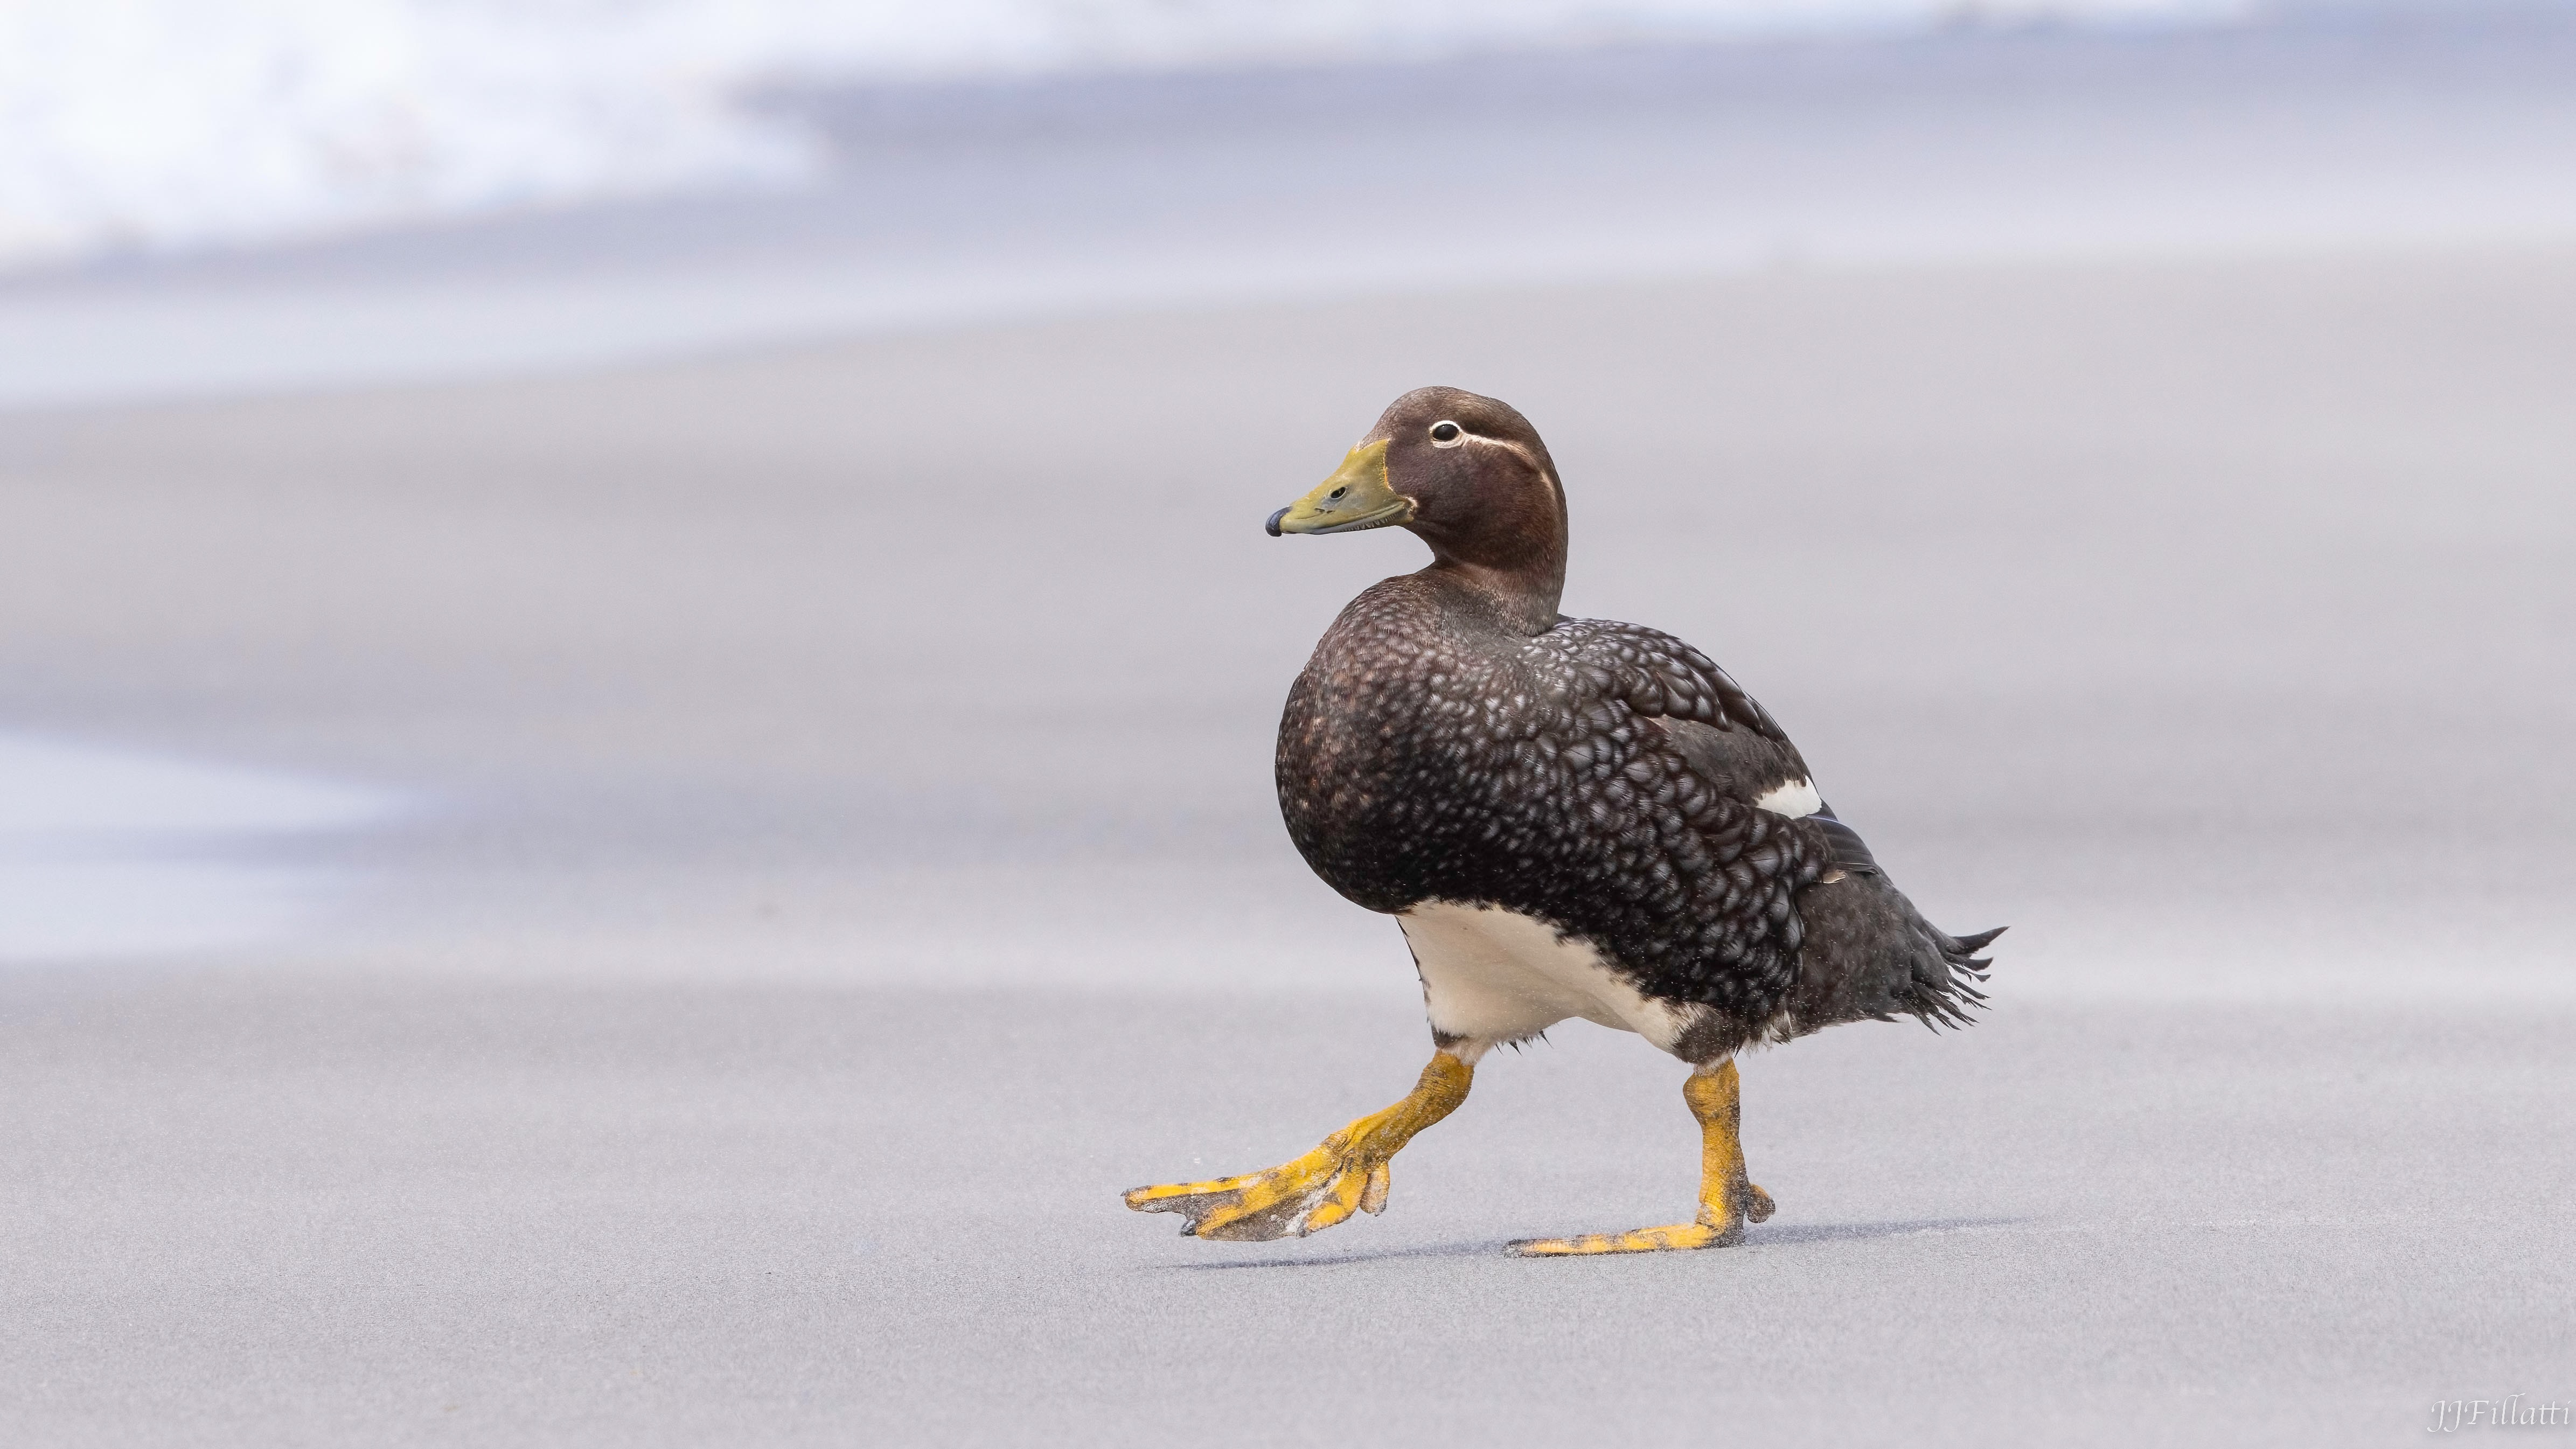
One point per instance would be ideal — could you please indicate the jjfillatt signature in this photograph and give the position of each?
(2450, 1416)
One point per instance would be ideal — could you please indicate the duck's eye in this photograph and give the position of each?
(1446, 434)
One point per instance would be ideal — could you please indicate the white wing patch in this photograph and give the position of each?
(1795, 799)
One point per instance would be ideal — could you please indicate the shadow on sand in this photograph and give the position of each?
(1760, 1237)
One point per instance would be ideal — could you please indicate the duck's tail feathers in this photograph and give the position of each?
(1970, 945)
(1946, 994)
(1868, 955)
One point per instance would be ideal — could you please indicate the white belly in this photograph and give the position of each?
(1491, 975)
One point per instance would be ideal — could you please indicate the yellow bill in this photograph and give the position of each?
(1357, 496)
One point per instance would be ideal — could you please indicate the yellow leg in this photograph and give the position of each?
(1727, 1198)
(1348, 1172)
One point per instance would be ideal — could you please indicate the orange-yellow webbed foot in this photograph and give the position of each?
(1728, 1200)
(1725, 1231)
(1291, 1200)
(1348, 1173)
(1640, 1240)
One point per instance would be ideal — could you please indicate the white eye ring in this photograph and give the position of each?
(1450, 438)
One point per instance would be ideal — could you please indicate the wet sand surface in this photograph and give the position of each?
(844, 859)
(315, 1212)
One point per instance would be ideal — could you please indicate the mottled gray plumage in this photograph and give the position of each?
(1455, 739)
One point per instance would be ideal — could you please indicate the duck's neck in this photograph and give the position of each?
(1507, 550)
(1522, 594)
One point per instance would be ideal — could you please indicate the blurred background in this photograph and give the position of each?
(619, 603)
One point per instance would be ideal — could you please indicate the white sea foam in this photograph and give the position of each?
(151, 125)
(107, 853)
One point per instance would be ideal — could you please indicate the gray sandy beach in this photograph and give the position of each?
(843, 858)
(623, 825)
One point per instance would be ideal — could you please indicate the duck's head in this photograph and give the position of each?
(1465, 473)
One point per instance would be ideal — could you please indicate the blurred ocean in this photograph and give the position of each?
(240, 197)
(109, 852)
(153, 125)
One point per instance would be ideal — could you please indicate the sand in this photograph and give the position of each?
(843, 859)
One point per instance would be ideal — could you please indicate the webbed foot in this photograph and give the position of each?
(1757, 1206)
(1727, 1198)
(1291, 1200)
(1346, 1174)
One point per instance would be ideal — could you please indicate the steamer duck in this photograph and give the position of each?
(1567, 818)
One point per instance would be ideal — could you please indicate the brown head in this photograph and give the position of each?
(1470, 477)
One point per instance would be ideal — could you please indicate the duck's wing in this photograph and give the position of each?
(1651, 763)
(1730, 741)
(1758, 837)
(1659, 675)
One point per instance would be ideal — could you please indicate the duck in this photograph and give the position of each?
(1567, 819)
